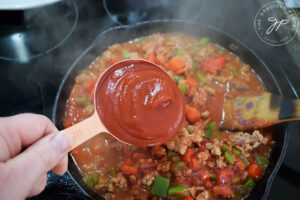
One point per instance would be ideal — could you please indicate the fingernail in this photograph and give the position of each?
(61, 142)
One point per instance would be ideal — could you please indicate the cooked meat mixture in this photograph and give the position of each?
(201, 161)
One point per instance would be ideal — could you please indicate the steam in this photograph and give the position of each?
(60, 25)
(52, 40)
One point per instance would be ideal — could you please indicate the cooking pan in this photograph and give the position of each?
(126, 33)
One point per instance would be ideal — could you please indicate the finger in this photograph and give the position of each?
(62, 166)
(38, 159)
(39, 186)
(22, 130)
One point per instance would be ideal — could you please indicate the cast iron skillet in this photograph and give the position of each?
(126, 33)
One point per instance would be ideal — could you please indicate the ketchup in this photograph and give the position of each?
(139, 103)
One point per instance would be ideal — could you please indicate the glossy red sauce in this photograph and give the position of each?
(134, 98)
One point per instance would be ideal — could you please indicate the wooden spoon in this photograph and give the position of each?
(258, 111)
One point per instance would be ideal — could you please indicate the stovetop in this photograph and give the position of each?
(39, 45)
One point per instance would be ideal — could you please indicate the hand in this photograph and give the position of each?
(30, 146)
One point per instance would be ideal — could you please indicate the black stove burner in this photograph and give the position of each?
(131, 12)
(37, 31)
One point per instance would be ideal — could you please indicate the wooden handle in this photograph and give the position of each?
(258, 111)
(85, 130)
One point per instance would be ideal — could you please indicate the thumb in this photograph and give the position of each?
(26, 169)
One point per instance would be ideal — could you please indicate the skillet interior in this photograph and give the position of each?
(125, 33)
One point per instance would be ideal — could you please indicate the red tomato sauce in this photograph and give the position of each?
(133, 100)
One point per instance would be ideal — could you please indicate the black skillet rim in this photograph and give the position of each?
(92, 194)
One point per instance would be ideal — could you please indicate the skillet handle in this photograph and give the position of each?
(85, 130)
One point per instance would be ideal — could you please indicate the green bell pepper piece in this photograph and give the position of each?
(160, 187)
(262, 161)
(190, 131)
(202, 78)
(125, 53)
(82, 101)
(229, 157)
(204, 41)
(243, 156)
(113, 171)
(194, 66)
(236, 180)
(182, 88)
(236, 152)
(176, 189)
(177, 166)
(208, 133)
(213, 176)
(172, 153)
(180, 52)
(211, 129)
(233, 71)
(249, 183)
(225, 147)
(177, 78)
(91, 179)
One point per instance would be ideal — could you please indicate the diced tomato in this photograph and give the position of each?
(115, 60)
(214, 65)
(89, 84)
(147, 164)
(224, 176)
(161, 59)
(151, 57)
(138, 155)
(251, 160)
(239, 163)
(190, 81)
(208, 184)
(188, 198)
(180, 71)
(128, 161)
(223, 191)
(187, 157)
(195, 163)
(192, 114)
(254, 171)
(177, 65)
(129, 169)
(204, 174)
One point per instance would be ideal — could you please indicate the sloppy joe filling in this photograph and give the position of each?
(202, 161)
